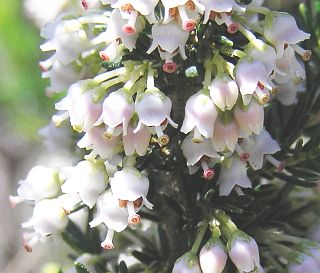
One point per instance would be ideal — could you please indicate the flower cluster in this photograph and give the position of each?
(117, 108)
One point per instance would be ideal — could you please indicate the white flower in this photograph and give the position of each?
(69, 40)
(79, 104)
(280, 28)
(113, 216)
(131, 187)
(48, 217)
(233, 172)
(94, 139)
(41, 183)
(138, 141)
(288, 92)
(188, 263)
(88, 180)
(250, 75)
(200, 115)
(244, 252)
(118, 109)
(213, 257)
(216, 6)
(249, 120)
(224, 92)
(315, 252)
(258, 146)
(144, 7)
(225, 136)
(170, 38)
(153, 108)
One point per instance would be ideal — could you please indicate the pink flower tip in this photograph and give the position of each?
(104, 56)
(107, 246)
(208, 174)
(245, 157)
(84, 3)
(169, 67)
(134, 219)
(232, 28)
(128, 29)
(189, 25)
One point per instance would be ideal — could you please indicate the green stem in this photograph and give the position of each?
(201, 231)
(227, 227)
(262, 10)
(247, 33)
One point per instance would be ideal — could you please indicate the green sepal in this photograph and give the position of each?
(189, 258)
(237, 235)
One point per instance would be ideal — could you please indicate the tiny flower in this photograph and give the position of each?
(213, 256)
(118, 109)
(258, 146)
(250, 75)
(136, 142)
(110, 214)
(94, 139)
(225, 136)
(130, 186)
(280, 28)
(41, 183)
(188, 263)
(249, 120)
(307, 264)
(79, 104)
(88, 180)
(216, 6)
(48, 217)
(224, 92)
(244, 252)
(163, 39)
(200, 115)
(153, 108)
(233, 172)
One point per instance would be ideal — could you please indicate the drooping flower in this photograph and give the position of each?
(280, 28)
(308, 264)
(233, 172)
(118, 109)
(200, 115)
(244, 252)
(131, 188)
(153, 108)
(136, 142)
(110, 214)
(249, 120)
(88, 180)
(188, 263)
(213, 256)
(224, 92)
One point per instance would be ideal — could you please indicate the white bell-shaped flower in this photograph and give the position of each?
(144, 7)
(169, 37)
(79, 104)
(110, 214)
(69, 40)
(48, 218)
(88, 180)
(244, 252)
(233, 172)
(250, 75)
(94, 139)
(224, 92)
(200, 115)
(41, 183)
(202, 153)
(216, 6)
(260, 51)
(225, 136)
(213, 257)
(281, 28)
(258, 146)
(188, 263)
(130, 185)
(136, 142)
(153, 108)
(250, 120)
(118, 109)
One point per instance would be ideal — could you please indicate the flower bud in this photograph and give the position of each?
(307, 264)
(188, 263)
(213, 257)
